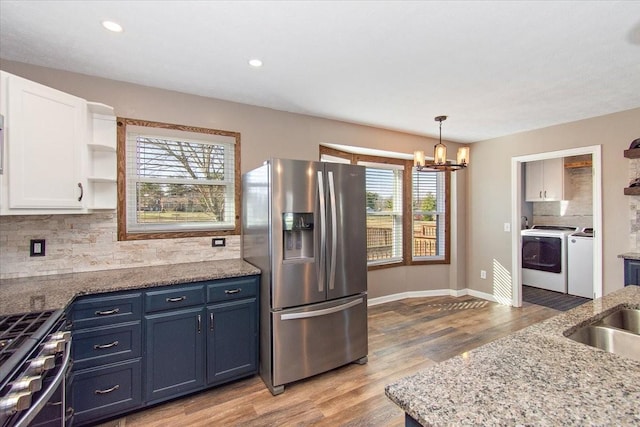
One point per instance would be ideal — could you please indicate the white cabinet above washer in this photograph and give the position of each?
(547, 181)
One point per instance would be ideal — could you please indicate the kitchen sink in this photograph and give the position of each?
(613, 340)
(617, 333)
(627, 319)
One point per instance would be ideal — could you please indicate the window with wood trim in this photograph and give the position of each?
(429, 204)
(176, 181)
(408, 212)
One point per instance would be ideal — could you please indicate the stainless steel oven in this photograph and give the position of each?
(35, 365)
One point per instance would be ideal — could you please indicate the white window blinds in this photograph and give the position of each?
(428, 201)
(179, 183)
(384, 212)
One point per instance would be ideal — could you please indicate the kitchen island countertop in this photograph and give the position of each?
(57, 291)
(536, 376)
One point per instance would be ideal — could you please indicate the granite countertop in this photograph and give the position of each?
(535, 376)
(56, 291)
(630, 255)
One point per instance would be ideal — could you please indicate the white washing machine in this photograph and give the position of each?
(544, 257)
(580, 263)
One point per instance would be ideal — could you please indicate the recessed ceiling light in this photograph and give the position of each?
(255, 63)
(112, 26)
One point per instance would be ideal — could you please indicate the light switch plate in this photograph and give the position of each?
(507, 226)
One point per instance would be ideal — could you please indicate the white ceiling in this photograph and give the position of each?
(494, 67)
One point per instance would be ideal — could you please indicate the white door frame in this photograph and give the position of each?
(516, 214)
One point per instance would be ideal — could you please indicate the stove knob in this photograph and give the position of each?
(62, 335)
(41, 364)
(14, 402)
(27, 383)
(53, 347)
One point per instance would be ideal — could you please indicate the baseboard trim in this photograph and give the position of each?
(432, 293)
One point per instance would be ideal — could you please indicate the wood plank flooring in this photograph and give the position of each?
(404, 337)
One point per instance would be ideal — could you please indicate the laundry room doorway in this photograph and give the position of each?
(521, 209)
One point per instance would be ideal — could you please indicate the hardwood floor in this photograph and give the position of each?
(404, 337)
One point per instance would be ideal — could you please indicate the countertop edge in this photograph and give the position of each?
(493, 383)
(630, 255)
(58, 291)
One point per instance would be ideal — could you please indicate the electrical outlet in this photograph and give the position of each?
(483, 274)
(36, 247)
(218, 242)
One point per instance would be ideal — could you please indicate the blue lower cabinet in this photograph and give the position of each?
(174, 348)
(631, 272)
(102, 392)
(135, 349)
(232, 337)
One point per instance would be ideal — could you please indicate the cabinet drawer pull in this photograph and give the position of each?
(103, 346)
(232, 291)
(108, 312)
(81, 191)
(109, 390)
(211, 321)
(199, 323)
(177, 299)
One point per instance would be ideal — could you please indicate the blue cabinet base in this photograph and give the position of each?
(134, 350)
(409, 421)
(631, 272)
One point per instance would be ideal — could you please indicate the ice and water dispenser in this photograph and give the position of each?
(297, 235)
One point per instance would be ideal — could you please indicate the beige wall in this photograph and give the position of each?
(265, 133)
(483, 190)
(489, 194)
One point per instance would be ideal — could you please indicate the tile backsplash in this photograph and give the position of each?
(575, 212)
(78, 243)
(634, 208)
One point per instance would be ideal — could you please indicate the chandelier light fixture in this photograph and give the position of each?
(440, 156)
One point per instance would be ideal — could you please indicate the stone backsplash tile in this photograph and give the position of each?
(81, 243)
(634, 204)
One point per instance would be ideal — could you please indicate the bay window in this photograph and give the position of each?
(407, 211)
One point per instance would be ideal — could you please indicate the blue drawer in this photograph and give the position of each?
(173, 297)
(103, 392)
(100, 346)
(232, 289)
(89, 312)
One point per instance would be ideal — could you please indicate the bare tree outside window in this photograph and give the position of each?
(177, 183)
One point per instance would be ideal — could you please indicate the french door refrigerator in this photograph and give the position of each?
(304, 226)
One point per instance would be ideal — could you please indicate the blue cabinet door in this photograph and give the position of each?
(631, 272)
(174, 353)
(232, 350)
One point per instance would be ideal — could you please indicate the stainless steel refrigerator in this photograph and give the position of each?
(304, 226)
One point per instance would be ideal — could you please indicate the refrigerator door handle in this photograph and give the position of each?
(334, 231)
(322, 312)
(320, 267)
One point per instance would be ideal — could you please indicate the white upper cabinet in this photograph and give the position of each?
(47, 162)
(546, 181)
